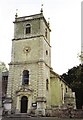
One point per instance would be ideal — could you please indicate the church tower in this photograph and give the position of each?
(29, 69)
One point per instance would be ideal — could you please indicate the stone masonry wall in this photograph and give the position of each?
(64, 113)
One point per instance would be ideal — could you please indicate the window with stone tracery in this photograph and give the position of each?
(25, 77)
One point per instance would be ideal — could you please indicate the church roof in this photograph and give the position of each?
(54, 74)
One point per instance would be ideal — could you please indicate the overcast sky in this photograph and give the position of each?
(65, 23)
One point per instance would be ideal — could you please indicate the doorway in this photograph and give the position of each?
(24, 104)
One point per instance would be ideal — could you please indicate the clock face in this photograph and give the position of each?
(27, 49)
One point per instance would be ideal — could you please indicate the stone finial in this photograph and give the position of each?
(16, 15)
(41, 8)
(49, 22)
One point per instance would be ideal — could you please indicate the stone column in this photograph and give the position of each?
(41, 100)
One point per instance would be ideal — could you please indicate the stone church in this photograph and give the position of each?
(32, 83)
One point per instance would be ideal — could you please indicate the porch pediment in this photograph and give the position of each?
(24, 89)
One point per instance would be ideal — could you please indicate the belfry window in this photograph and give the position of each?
(46, 32)
(28, 29)
(25, 77)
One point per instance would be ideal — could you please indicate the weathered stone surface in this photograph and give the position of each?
(32, 52)
(40, 118)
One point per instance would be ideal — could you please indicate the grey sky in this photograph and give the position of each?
(65, 22)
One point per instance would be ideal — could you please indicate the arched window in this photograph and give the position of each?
(28, 29)
(25, 77)
(46, 32)
(46, 52)
(66, 89)
(47, 82)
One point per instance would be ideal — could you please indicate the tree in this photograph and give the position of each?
(3, 67)
(74, 77)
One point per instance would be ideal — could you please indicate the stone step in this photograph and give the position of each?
(18, 116)
(39, 118)
(22, 116)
